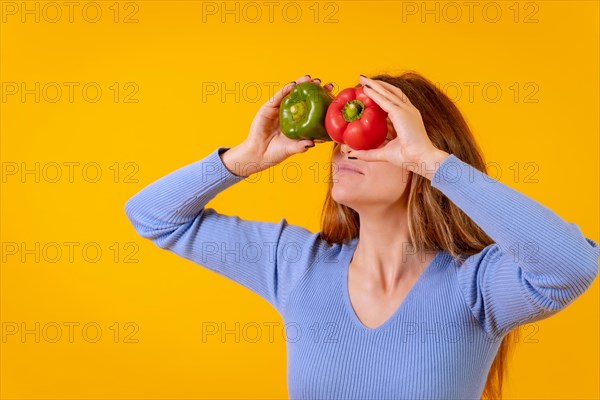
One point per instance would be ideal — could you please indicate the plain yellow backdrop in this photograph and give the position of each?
(134, 90)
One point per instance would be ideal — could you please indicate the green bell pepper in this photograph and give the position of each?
(302, 112)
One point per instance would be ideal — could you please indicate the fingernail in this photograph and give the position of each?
(368, 86)
(330, 84)
(294, 82)
(307, 75)
(352, 158)
(309, 145)
(317, 79)
(362, 75)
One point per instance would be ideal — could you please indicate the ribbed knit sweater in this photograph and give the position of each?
(440, 342)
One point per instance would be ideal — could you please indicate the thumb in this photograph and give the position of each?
(302, 145)
(368, 155)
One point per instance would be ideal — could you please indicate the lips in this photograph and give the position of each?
(344, 166)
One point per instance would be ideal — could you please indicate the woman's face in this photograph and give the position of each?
(376, 183)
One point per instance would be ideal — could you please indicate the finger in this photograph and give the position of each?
(382, 101)
(391, 92)
(375, 85)
(275, 100)
(368, 155)
(396, 91)
(328, 87)
(304, 145)
(299, 146)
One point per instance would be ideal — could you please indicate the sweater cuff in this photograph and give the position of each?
(216, 168)
(454, 171)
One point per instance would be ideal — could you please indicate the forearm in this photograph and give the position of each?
(543, 242)
(179, 196)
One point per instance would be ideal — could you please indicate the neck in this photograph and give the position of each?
(384, 253)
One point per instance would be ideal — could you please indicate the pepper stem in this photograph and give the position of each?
(353, 110)
(298, 110)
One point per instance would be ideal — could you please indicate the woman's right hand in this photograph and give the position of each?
(266, 145)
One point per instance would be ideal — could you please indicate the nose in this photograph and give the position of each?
(345, 149)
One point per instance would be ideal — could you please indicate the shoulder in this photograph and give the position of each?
(301, 254)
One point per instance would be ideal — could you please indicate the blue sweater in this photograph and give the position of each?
(441, 340)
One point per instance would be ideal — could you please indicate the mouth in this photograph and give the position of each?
(349, 171)
(347, 168)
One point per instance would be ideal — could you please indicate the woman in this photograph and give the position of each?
(448, 263)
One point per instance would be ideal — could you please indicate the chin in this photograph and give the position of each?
(344, 195)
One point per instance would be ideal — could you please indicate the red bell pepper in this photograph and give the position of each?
(356, 120)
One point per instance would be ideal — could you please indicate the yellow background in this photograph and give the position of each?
(168, 55)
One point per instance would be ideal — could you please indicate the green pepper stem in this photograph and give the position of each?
(353, 110)
(298, 110)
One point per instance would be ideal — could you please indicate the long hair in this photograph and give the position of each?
(434, 222)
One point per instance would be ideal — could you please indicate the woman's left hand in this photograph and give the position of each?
(410, 147)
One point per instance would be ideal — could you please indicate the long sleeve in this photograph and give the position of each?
(267, 258)
(538, 264)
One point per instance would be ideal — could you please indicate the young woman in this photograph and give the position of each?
(422, 269)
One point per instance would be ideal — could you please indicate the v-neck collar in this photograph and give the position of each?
(351, 248)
